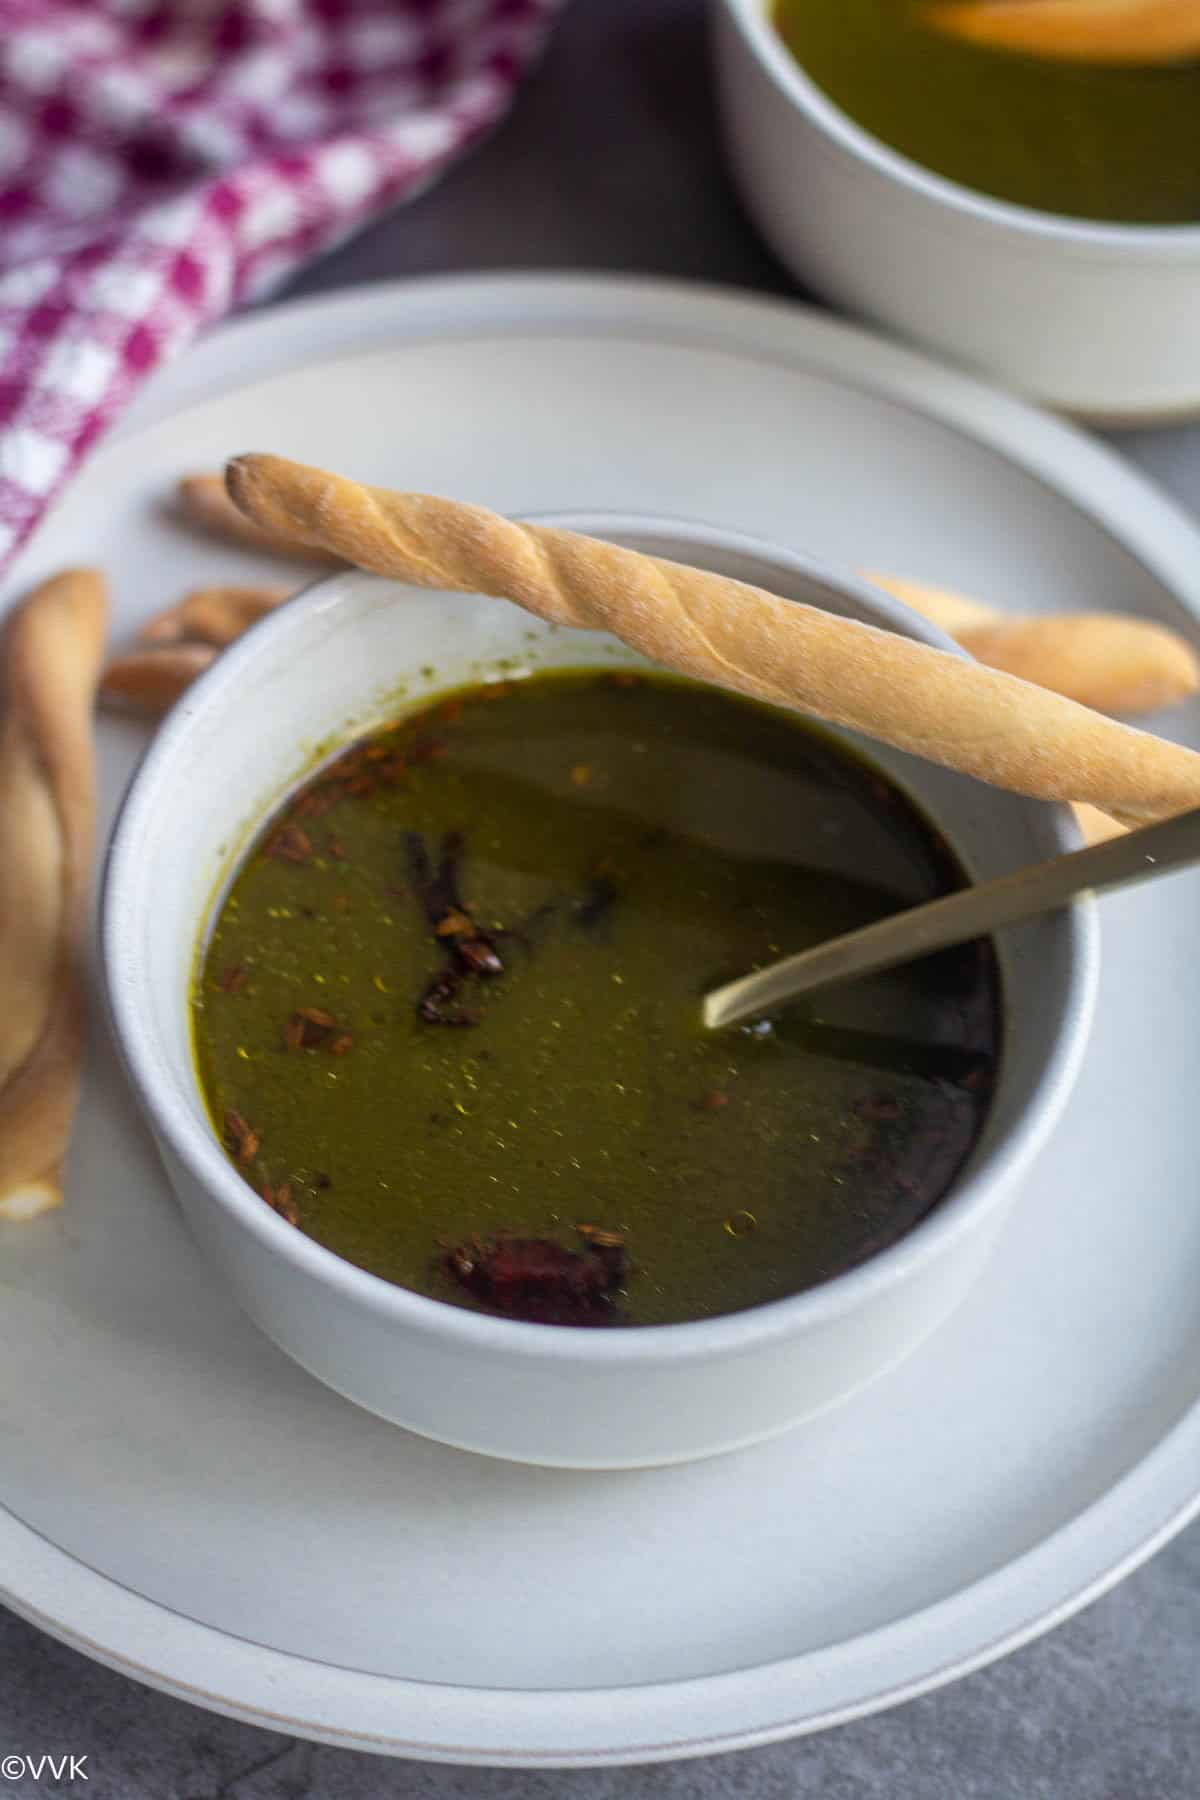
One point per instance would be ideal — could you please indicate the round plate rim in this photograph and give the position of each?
(653, 1722)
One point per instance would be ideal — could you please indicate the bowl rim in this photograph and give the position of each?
(125, 897)
(1149, 242)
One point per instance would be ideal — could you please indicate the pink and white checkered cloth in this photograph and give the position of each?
(162, 161)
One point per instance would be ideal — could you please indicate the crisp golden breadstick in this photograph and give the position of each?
(1114, 663)
(213, 615)
(203, 500)
(970, 718)
(51, 653)
(151, 681)
(217, 616)
(1133, 33)
(1111, 661)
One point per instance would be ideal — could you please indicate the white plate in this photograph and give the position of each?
(188, 1506)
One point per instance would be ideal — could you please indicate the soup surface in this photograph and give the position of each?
(447, 1020)
(1095, 142)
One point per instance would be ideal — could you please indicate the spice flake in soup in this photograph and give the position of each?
(447, 1019)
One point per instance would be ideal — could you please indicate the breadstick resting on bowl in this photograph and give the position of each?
(979, 721)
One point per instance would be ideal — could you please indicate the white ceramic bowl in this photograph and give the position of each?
(1102, 320)
(568, 1396)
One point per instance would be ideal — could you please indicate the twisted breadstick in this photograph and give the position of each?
(981, 722)
(204, 503)
(50, 660)
(1111, 661)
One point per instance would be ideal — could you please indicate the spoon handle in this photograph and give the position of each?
(974, 912)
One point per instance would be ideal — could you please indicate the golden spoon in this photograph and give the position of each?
(974, 912)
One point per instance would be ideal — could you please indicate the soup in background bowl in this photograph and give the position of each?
(1091, 140)
(357, 652)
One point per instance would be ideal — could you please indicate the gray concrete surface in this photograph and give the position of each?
(611, 161)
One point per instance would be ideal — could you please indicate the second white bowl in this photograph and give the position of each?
(1101, 320)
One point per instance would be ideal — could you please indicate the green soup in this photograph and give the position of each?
(447, 1019)
(1094, 142)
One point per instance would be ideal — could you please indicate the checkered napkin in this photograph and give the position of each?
(161, 163)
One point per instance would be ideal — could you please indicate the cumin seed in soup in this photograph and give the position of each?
(1086, 139)
(447, 1019)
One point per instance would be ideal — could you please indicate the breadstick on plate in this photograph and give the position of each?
(1111, 661)
(213, 615)
(1105, 660)
(50, 658)
(203, 500)
(954, 613)
(978, 720)
(150, 681)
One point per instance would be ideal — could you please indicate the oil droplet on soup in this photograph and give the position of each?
(457, 1025)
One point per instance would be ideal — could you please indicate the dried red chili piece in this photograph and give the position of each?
(291, 844)
(540, 1280)
(314, 802)
(240, 1138)
(283, 1201)
(234, 980)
